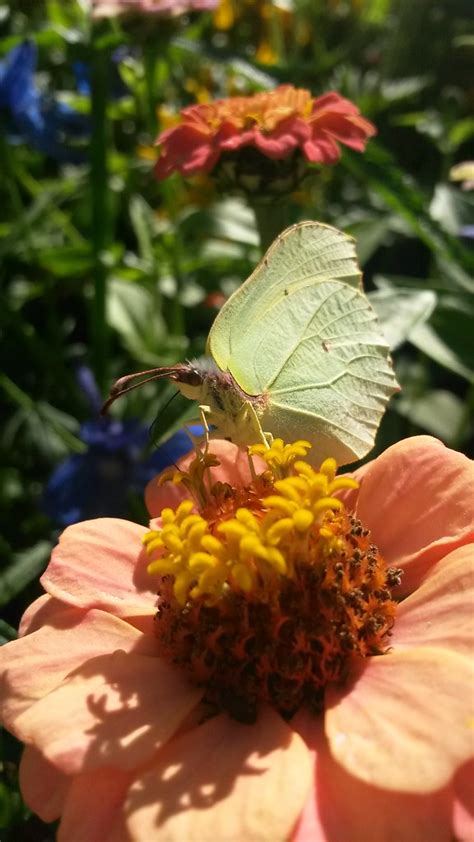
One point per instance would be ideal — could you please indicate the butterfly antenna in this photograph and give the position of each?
(126, 384)
(160, 414)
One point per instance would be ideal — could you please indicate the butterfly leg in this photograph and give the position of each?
(251, 419)
(197, 440)
(203, 413)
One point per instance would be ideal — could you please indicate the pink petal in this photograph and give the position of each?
(464, 805)
(342, 807)
(440, 611)
(115, 710)
(184, 148)
(202, 160)
(102, 564)
(417, 500)
(275, 147)
(44, 788)
(223, 781)
(92, 805)
(43, 610)
(32, 666)
(321, 150)
(234, 468)
(405, 721)
(309, 826)
(229, 141)
(332, 101)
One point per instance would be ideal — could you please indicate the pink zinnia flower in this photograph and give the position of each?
(277, 124)
(164, 8)
(118, 743)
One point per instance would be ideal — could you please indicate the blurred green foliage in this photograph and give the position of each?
(102, 265)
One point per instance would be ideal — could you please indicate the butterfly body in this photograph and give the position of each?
(295, 352)
(230, 410)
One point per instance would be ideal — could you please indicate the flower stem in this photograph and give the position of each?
(149, 66)
(271, 221)
(99, 209)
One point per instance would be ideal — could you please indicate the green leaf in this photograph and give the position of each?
(235, 221)
(135, 313)
(377, 169)
(369, 234)
(66, 261)
(438, 412)
(395, 90)
(143, 223)
(7, 632)
(451, 208)
(426, 339)
(374, 11)
(401, 310)
(51, 430)
(462, 131)
(26, 566)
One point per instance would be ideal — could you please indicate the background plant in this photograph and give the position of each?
(103, 266)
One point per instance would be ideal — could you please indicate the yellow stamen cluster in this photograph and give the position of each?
(249, 551)
(194, 479)
(280, 455)
(267, 589)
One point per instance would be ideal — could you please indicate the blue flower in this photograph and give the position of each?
(46, 124)
(467, 231)
(98, 482)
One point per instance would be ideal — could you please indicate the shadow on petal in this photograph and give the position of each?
(223, 775)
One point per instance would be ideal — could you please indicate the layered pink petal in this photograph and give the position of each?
(404, 723)
(43, 610)
(416, 498)
(43, 787)
(321, 149)
(32, 666)
(234, 468)
(93, 803)
(102, 564)
(190, 150)
(274, 122)
(342, 807)
(332, 101)
(309, 826)
(115, 710)
(223, 781)
(275, 147)
(440, 612)
(464, 803)
(158, 8)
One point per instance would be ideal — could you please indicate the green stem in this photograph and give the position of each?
(271, 221)
(149, 66)
(100, 210)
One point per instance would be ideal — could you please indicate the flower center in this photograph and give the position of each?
(268, 590)
(264, 110)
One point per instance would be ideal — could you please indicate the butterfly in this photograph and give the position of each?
(295, 353)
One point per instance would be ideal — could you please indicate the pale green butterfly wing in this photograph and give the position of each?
(300, 257)
(302, 332)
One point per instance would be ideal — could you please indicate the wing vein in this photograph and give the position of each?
(299, 340)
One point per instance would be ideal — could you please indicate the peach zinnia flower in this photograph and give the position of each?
(276, 124)
(289, 687)
(163, 8)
